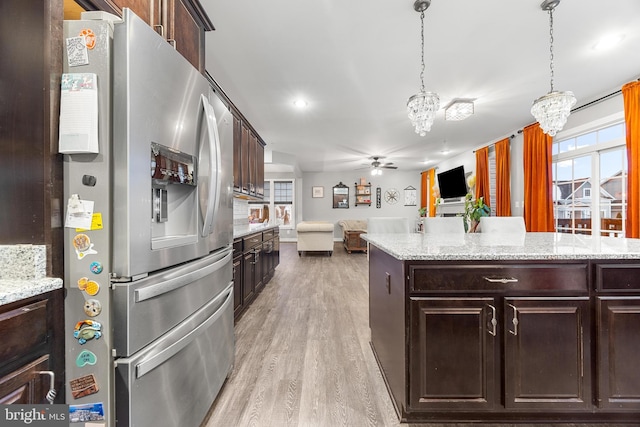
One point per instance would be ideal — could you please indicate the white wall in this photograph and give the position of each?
(321, 209)
(581, 121)
(308, 208)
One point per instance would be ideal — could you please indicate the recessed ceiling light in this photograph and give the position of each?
(300, 103)
(608, 41)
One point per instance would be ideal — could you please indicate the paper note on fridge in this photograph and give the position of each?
(78, 113)
(79, 213)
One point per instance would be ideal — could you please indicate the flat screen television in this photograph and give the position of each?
(452, 183)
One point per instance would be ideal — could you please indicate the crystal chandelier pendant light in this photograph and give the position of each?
(423, 106)
(553, 109)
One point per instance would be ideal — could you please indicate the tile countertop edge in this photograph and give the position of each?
(529, 246)
(245, 230)
(16, 290)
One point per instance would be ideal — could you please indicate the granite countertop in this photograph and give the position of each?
(522, 246)
(245, 230)
(23, 273)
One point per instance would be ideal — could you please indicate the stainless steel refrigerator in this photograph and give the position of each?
(147, 149)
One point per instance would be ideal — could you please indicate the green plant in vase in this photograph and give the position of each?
(473, 211)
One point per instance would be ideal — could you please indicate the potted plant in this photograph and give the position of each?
(473, 211)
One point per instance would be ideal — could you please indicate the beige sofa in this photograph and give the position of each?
(315, 236)
(351, 230)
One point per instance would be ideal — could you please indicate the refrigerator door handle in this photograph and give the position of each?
(212, 132)
(158, 359)
(216, 145)
(182, 279)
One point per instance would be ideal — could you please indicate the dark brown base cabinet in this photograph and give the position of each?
(32, 342)
(460, 341)
(255, 258)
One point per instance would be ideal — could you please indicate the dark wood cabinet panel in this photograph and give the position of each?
(452, 353)
(387, 321)
(244, 155)
(186, 35)
(547, 358)
(248, 281)
(181, 22)
(248, 163)
(255, 259)
(237, 285)
(253, 158)
(32, 340)
(24, 385)
(149, 11)
(30, 168)
(237, 154)
(259, 168)
(506, 341)
(618, 329)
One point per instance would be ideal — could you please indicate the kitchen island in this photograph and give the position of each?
(535, 327)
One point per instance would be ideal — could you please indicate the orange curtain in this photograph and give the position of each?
(424, 189)
(538, 180)
(432, 192)
(482, 175)
(631, 96)
(503, 177)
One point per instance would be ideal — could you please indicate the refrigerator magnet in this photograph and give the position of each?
(96, 267)
(86, 357)
(89, 38)
(83, 386)
(83, 246)
(86, 412)
(92, 307)
(87, 330)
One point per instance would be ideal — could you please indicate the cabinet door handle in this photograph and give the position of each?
(514, 320)
(501, 279)
(51, 394)
(494, 321)
(161, 28)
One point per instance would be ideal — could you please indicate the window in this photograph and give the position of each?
(589, 176)
(277, 207)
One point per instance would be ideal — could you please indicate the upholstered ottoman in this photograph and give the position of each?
(315, 236)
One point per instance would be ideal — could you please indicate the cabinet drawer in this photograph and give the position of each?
(251, 241)
(493, 277)
(617, 277)
(22, 329)
(267, 235)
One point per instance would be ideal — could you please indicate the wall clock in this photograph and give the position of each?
(391, 196)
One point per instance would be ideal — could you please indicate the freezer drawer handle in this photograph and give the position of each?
(158, 359)
(152, 291)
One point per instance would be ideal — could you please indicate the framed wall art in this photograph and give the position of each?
(317, 192)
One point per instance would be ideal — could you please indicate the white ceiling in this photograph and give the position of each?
(358, 63)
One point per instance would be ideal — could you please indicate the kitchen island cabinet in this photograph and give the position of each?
(542, 329)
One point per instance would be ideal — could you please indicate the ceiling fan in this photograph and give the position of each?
(377, 165)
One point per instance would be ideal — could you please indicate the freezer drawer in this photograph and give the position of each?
(148, 308)
(175, 380)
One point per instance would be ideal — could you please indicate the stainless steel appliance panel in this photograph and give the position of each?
(175, 380)
(158, 98)
(222, 225)
(148, 308)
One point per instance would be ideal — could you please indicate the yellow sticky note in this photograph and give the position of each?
(96, 222)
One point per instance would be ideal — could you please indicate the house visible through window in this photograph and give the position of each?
(590, 176)
(277, 207)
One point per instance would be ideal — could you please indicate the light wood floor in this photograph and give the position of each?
(302, 351)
